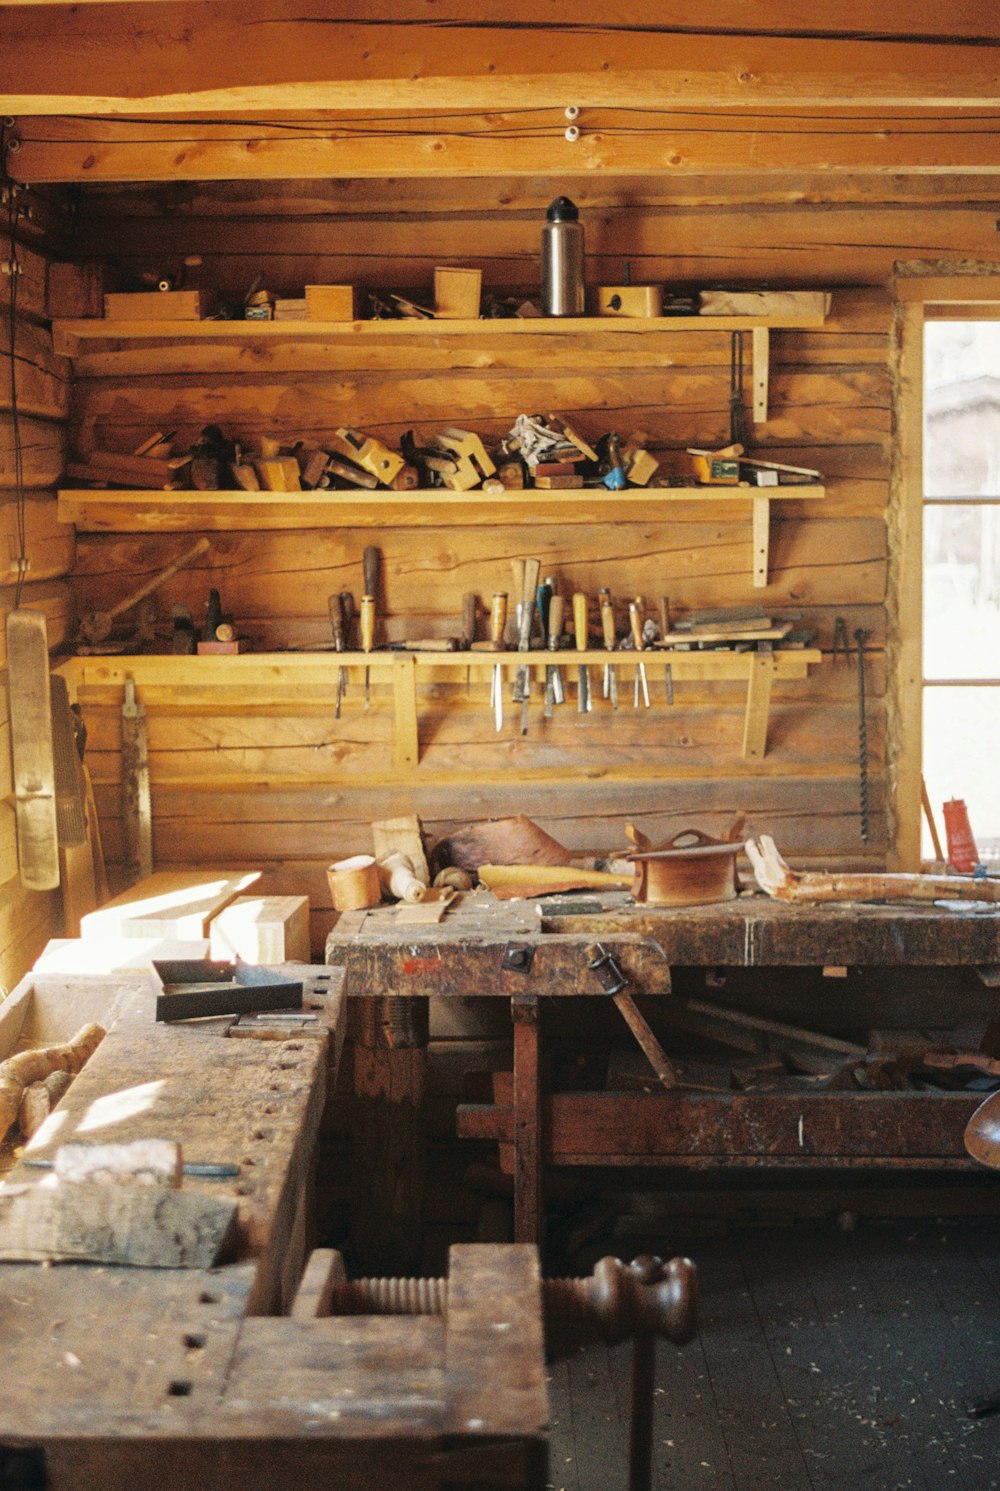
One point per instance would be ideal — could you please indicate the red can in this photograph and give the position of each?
(962, 852)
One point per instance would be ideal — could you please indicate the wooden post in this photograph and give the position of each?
(528, 1218)
(758, 702)
(389, 1036)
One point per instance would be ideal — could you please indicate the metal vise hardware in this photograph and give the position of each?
(613, 980)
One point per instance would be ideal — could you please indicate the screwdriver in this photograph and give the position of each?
(498, 620)
(668, 677)
(583, 702)
(608, 628)
(369, 603)
(635, 616)
(336, 607)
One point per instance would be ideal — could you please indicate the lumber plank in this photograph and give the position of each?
(166, 904)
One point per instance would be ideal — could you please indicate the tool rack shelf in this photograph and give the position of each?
(315, 674)
(121, 511)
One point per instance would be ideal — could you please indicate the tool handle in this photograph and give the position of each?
(556, 608)
(664, 609)
(608, 620)
(498, 618)
(470, 608)
(160, 579)
(528, 595)
(517, 569)
(580, 620)
(370, 567)
(367, 623)
(635, 619)
(543, 597)
(335, 605)
(347, 601)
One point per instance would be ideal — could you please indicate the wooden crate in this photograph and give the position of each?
(457, 293)
(331, 302)
(262, 929)
(155, 305)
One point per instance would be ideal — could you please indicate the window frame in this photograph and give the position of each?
(920, 298)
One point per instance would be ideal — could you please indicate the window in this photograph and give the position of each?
(961, 574)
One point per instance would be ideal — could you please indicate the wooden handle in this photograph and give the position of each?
(470, 607)
(498, 618)
(367, 623)
(370, 567)
(608, 620)
(664, 608)
(335, 605)
(635, 619)
(528, 597)
(160, 579)
(347, 601)
(556, 608)
(517, 590)
(580, 620)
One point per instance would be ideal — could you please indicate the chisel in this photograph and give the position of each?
(610, 690)
(554, 691)
(370, 565)
(512, 629)
(498, 621)
(668, 677)
(336, 607)
(543, 600)
(529, 596)
(636, 618)
(583, 701)
(470, 606)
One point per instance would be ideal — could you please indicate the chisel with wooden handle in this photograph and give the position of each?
(470, 607)
(636, 618)
(529, 595)
(668, 677)
(512, 628)
(608, 631)
(498, 621)
(369, 605)
(583, 701)
(555, 693)
(335, 604)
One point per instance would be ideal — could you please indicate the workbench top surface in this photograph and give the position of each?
(751, 931)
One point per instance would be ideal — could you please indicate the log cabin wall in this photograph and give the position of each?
(41, 382)
(249, 780)
(818, 151)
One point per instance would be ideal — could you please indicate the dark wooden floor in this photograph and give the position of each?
(825, 1359)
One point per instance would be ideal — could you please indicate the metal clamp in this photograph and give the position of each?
(613, 981)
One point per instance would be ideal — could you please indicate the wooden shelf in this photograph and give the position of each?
(315, 673)
(119, 511)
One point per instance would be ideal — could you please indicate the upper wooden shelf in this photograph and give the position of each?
(113, 510)
(68, 335)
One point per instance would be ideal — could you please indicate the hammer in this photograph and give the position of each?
(96, 626)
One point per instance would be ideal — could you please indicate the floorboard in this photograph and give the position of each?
(826, 1360)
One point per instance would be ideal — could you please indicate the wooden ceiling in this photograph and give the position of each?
(777, 96)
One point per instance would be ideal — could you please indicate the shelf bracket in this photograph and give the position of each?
(405, 736)
(760, 371)
(761, 540)
(758, 702)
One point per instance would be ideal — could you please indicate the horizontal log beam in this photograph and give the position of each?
(513, 145)
(264, 55)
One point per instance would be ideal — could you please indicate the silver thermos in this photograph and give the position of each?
(562, 260)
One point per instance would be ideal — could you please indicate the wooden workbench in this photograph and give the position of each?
(527, 951)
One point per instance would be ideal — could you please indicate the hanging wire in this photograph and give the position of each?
(13, 215)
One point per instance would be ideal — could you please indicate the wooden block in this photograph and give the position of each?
(331, 302)
(143, 1162)
(558, 483)
(218, 648)
(154, 305)
(457, 294)
(175, 904)
(262, 929)
(630, 300)
(138, 1226)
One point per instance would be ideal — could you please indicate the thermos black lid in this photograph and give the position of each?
(562, 210)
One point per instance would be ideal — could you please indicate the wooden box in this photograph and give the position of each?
(154, 305)
(457, 293)
(262, 929)
(630, 300)
(178, 905)
(331, 303)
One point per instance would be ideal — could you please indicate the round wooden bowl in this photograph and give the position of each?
(692, 873)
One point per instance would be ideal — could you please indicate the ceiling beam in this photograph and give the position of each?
(262, 55)
(497, 145)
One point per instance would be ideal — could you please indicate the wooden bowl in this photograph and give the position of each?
(691, 870)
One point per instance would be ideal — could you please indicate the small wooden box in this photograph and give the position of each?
(262, 929)
(630, 300)
(457, 293)
(154, 305)
(331, 303)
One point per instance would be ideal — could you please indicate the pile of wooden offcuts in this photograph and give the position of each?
(32, 1082)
